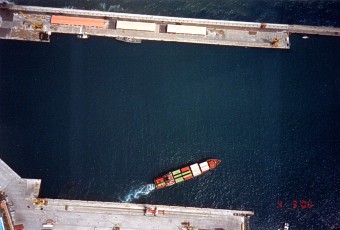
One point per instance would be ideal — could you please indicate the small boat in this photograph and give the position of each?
(82, 36)
(128, 40)
(305, 37)
(186, 173)
(286, 226)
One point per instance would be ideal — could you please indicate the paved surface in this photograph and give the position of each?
(90, 215)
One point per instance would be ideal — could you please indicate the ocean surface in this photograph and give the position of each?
(98, 119)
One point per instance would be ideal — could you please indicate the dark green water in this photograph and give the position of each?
(98, 119)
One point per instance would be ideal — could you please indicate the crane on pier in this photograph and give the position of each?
(40, 202)
(35, 24)
(275, 42)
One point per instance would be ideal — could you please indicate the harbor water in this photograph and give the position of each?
(98, 119)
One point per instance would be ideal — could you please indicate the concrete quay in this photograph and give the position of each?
(22, 196)
(17, 22)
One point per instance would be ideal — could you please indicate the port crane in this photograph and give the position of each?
(40, 202)
(275, 42)
(186, 226)
(35, 24)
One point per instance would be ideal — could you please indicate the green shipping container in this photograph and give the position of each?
(186, 173)
(176, 172)
(177, 176)
(179, 180)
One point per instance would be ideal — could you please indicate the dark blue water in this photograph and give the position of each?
(98, 119)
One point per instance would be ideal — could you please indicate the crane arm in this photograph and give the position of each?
(36, 25)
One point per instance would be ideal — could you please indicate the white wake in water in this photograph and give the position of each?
(137, 193)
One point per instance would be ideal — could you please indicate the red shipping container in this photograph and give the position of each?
(187, 178)
(19, 227)
(185, 169)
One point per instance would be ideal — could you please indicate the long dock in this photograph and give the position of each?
(34, 23)
(27, 210)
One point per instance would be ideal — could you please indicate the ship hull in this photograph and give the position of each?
(129, 40)
(185, 173)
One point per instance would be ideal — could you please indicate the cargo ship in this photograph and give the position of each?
(185, 173)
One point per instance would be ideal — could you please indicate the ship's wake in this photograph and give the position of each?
(137, 193)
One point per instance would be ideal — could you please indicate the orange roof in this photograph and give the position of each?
(77, 21)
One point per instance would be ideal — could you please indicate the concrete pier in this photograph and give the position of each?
(34, 24)
(20, 26)
(89, 215)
